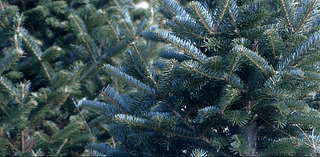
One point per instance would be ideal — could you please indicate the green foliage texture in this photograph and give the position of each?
(51, 55)
(236, 78)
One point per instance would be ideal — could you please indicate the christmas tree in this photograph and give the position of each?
(237, 77)
(51, 55)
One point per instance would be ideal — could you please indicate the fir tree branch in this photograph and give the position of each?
(117, 4)
(92, 67)
(180, 24)
(42, 138)
(242, 50)
(272, 44)
(5, 16)
(286, 15)
(82, 36)
(4, 83)
(144, 63)
(191, 68)
(185, 48)
(223, 104)
(16, 44)
(84, 120)
(11, 88)
(230, 96)
(34, 49)
(177, 114)
(206, 129)
(30, 42)
(168, 132)
(233, 65)
(113, 29)
(97, 19)
(189, 31)
(12, 146)
(2, 24)
(60, 148)
(305, 135)
(113, 142)
(115, 84)
(26, 142)
(111, 100)
(129, 79)
(152, 49)
(127, 28)
(286, 133)
(233, 10)
(310, 9)
(4, 110)
(124, 23)
(173, 62)
(223, 11)
(202, 21)
(104, 39)
(307, 44)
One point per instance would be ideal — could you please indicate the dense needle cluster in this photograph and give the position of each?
(238, 77)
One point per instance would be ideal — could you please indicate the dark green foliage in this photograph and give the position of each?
(51, 53)
(238, 78)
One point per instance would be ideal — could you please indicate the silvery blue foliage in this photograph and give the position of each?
(230, 96)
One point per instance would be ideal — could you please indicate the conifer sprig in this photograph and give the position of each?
(128, 79)
(309, 11)
(286, 4)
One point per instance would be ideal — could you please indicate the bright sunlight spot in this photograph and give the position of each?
(143, 5)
